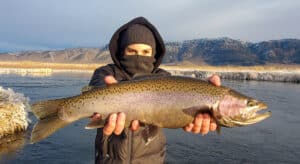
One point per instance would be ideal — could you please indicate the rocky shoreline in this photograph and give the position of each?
(279, 76)
(276, 75)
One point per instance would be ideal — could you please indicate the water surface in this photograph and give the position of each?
(275, 140)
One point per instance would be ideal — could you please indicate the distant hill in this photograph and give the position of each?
(74, 55)
(223, 51)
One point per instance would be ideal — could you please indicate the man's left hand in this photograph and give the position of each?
(203, 122)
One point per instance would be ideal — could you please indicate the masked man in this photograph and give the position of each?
(136, 48)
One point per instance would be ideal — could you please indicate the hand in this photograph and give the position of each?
(116, 122)
(203, 122)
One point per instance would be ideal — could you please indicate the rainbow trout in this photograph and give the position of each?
(166, 102)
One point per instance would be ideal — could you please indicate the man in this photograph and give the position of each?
(136, 48)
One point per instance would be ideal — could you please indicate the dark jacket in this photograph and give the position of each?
(129, 147)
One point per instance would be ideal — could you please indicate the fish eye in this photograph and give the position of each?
(251, 103)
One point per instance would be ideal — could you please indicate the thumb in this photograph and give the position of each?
(215, 80)
(110, 80)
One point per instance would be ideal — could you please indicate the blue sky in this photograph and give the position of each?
(58, 24)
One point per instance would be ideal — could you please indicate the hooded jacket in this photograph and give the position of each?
(129, 147)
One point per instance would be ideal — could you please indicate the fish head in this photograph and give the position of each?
(236, 109)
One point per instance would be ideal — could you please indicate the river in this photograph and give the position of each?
(275, 140)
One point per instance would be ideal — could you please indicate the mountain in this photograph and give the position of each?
(222, 51)
(226, 51)
(74, 55)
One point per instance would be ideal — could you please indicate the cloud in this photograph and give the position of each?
(7, 47)
(76, 23)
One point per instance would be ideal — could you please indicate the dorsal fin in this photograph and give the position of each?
(87, 88)
(143, 76)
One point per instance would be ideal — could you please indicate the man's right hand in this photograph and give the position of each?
(116, 121)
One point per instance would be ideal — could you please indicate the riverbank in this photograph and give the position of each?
(279, 73)
(29, 68)
(279, 76)
(282, 73)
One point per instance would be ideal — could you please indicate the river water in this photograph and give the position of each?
(275, 140)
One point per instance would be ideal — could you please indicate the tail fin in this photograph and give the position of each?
(49, 121)
(46, 108)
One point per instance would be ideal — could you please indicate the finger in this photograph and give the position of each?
(111, 124)
(213, 125)
(120, 123)
(189, 127)
(215, 80)
(197, 123)
(135, 125)
(205, 124)
(110, 80)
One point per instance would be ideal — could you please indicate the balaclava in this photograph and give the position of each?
(137, 64)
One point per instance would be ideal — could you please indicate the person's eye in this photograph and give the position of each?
(131, 51)
(146, 52)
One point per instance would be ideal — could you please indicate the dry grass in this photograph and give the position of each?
(259, 68)
(54, 66)
(89, 67)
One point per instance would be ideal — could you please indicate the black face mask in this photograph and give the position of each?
(137, 64)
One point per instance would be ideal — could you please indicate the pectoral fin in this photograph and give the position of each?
(94, 124)
(87, 88)
(149, 133)
(193, 111)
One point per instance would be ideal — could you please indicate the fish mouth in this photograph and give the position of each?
(254, 113)
(262, 105)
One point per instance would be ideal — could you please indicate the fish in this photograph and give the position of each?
(158, 101)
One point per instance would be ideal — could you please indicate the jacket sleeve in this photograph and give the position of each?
(101, 140)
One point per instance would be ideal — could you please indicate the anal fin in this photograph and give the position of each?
(218, 129)
(149, 133)
(94, 124)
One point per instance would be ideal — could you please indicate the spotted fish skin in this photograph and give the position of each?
(151, 101)
(167, 102)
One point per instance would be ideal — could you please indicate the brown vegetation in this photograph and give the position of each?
(68, 66)
(55, 66)
(275, 72)
(230, 68)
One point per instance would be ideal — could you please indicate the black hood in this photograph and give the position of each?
(114, 46)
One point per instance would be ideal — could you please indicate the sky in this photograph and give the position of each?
(59, 24)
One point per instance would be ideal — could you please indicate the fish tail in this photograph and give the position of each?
(49, 122)
(44, 109)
